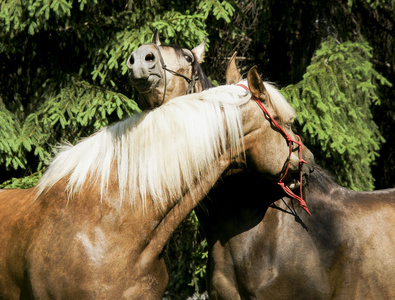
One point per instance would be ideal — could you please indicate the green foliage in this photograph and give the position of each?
(189, 249)
(333, 103)
(77, 110)
(220, 10)
(22, 183)
(374, 4)
(9, 134)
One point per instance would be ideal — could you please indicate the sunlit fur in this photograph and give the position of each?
(284, 111)
(161, 153)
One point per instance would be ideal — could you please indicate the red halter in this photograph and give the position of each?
(301, 160)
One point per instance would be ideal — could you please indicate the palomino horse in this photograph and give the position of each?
(161, 72)
(97, 223)
(262, 247)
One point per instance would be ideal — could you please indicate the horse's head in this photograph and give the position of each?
(161, 72)
(269, 148)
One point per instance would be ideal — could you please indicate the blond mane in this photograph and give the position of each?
(157, 154)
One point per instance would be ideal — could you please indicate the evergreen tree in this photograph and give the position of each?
(64, 76)
(339, 87)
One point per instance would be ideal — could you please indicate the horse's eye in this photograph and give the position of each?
(188, 58)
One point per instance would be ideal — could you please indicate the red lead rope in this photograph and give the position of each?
(301, 160)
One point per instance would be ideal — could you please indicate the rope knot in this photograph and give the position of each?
(302, 161)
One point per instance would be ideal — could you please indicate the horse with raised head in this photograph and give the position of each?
(161, 72)
(96, 224)
(263, 247)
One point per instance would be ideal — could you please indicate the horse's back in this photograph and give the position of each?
(354, 239)
(16, 226)
(343, 251)
(364, 265)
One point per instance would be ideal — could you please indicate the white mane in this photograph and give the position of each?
(157, 154)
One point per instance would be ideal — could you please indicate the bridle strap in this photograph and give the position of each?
(286, 189)
(191, 81)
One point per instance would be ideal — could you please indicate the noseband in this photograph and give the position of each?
(291, 142)
(191, 81)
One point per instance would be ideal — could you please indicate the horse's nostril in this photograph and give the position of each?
(150, 57)
(131, 60)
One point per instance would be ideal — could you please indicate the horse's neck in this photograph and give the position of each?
(236, 204)
(154, 97)
(248, 203)
(176, 214)
(322, 193)
(202, 84)
(150, 99)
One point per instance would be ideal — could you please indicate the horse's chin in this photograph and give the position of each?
(146, 85)
(293, 184)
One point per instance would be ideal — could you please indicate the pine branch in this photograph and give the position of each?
(340, 87)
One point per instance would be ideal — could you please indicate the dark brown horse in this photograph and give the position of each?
(266, 247)
(96, 225)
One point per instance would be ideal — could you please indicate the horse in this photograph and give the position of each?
(96, 224)
(263, 247)
(161, 72)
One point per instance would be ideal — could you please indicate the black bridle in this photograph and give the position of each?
(191, 81)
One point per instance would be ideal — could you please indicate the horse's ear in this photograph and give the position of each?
(156, 40)
(233, 75)
(256, 85)
(198, 51)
